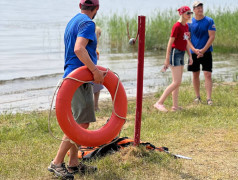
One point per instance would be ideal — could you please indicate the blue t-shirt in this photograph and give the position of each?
(79, 26)
(199, 32)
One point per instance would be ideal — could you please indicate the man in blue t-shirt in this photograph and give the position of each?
(80, 49)
(202, 31)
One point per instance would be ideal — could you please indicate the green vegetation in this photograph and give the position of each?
(207, 134)
(158, 28)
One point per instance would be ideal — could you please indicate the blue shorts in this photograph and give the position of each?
(97, 87)
(176, 57)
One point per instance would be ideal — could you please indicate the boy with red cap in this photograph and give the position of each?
(80, 49)
(176, 48)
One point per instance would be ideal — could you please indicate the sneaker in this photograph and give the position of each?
(160, 107)
(209, 102)
(60, 171)
(197, 100)
(82, 168)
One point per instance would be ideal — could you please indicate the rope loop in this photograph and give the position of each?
(59, 84)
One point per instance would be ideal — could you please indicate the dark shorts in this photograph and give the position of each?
(176, 57)
(82, 104)
(205, 61)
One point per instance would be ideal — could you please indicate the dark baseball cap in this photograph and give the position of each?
(89, 2)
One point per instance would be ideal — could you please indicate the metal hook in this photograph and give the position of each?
(132, 41)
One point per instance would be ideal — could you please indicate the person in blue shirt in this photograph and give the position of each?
(202, 33)
(80, 49)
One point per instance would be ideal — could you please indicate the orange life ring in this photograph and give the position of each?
(66, 120)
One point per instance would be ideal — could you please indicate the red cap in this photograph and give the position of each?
(183, 9)
(89, 2)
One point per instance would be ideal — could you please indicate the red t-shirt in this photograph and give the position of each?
(181, 35)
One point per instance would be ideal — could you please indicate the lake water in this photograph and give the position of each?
(32, 50)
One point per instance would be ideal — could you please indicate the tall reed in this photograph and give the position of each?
(226, 35)
(158, 28)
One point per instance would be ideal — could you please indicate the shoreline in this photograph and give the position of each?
(107, 102)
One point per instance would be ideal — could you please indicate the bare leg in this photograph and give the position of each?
(63, 149)
(65, 146)
(208, 83)
(96, 98)
(176, 91)
(176, 75)
(73, 156)
(196, 83)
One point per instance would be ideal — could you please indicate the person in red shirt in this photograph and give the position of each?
(176, 48)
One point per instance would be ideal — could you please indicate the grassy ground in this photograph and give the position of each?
(207, 134)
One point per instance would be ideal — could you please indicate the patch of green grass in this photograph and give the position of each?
(207, 134)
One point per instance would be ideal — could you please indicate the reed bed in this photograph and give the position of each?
(158, 27)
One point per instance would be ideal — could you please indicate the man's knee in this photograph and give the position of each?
(207, 75)
(65, 137)
(84, 125)
(196, 75)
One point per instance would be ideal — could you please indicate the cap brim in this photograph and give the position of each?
(198, 5)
